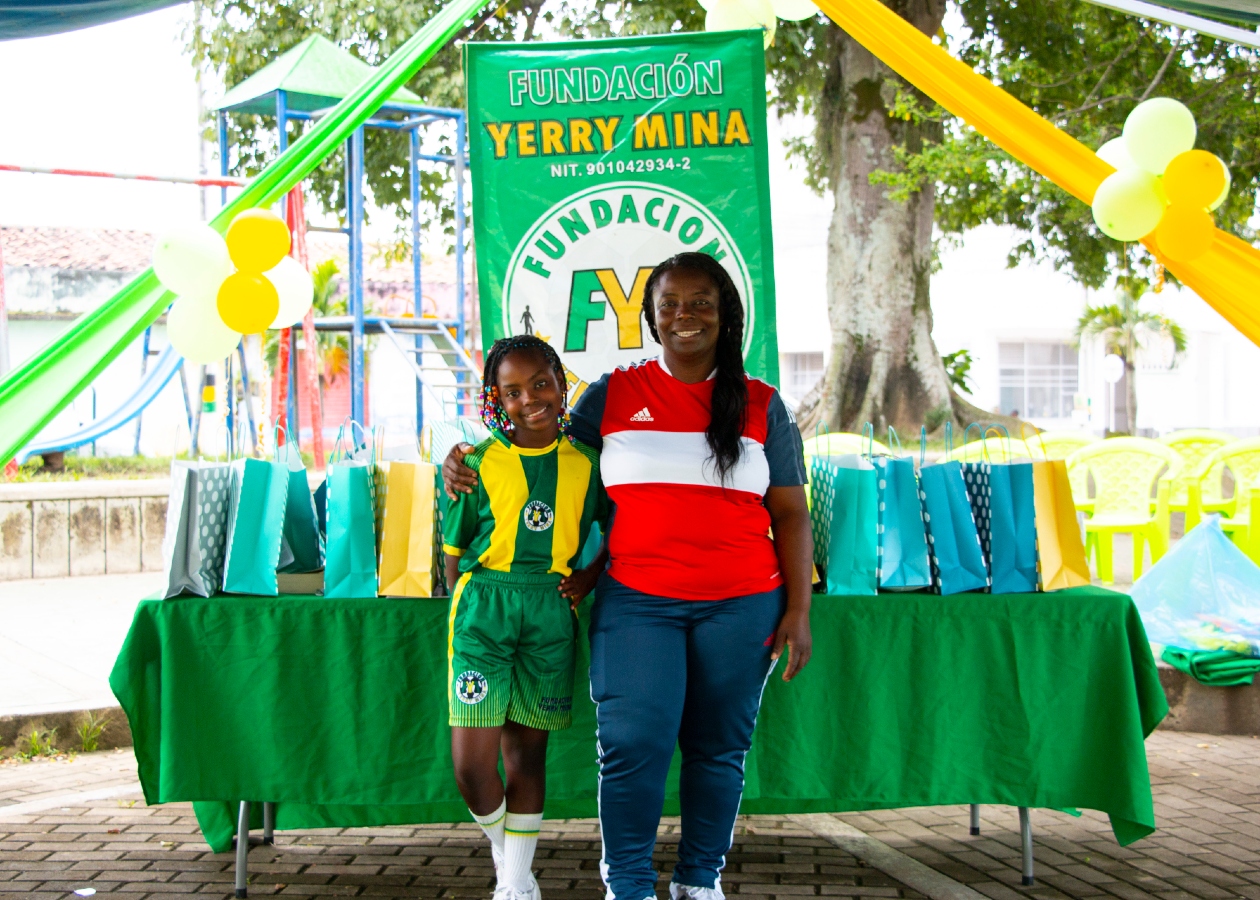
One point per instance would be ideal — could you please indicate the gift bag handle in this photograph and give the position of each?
(967, 444)
(1024, 439)
(949, 439)
(999, 429)
(922, 445)
(868, 432)
(893, 439)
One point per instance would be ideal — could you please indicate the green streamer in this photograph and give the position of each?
(32, 394)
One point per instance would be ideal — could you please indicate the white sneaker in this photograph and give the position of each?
(691, 892)
(506, 892)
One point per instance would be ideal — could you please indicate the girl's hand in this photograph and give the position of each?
(455, 475)
(574, 587)
(794, 632)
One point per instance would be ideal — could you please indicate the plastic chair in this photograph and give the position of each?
(1194, 445)
(1061, 445)
(1124, 471)
(1242, 458)
(998, 449)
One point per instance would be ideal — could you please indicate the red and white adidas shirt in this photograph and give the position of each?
(677, 530)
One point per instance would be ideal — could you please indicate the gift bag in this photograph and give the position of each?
(407, 536)
(260, 493)
(1059, 543)
(1001, 496)
(903, 547)
(302, 543)
(844, 517)
(954, 549)
(196, 528)
(350, 548)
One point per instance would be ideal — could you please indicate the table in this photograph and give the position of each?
(335, 710)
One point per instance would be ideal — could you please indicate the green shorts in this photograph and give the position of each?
(510, 651)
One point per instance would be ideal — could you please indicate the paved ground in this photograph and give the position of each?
(1207, 797)
(59, 638)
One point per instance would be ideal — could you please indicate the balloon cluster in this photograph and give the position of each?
(731, 15)
(243, 283)
(1162, 187)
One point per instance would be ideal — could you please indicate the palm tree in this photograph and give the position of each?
(1122, 326)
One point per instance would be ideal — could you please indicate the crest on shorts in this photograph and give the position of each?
(471, 687)
(538, 516)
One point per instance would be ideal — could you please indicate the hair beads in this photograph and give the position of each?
(493, 414)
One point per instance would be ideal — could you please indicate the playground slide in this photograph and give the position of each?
(156, 378)
(32, 394)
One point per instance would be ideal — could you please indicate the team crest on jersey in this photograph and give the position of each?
(471, 687)
(538, 516)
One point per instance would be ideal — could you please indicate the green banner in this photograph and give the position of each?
(592, 161)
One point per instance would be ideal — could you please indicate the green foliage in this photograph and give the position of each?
(1084, 68)
(958, 368)
(90, 731)
(37, 743)
(1122, 326)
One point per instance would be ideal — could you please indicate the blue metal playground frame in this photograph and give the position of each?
(414, 118)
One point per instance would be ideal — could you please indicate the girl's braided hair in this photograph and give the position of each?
(729, 408)
(493, 414)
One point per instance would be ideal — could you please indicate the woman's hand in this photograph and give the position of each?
(794, 632)
(794, 544)
(580, 582)
(455, 475)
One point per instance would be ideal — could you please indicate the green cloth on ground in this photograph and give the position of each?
(1219, 668)
(336, 710)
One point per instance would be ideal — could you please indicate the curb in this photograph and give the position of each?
(117, 733)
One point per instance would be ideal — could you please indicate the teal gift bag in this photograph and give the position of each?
(1001, 496)
(903, 546)
(954, 548)
(302, 542)
(844, 516)
(350, 550)
(260, 492)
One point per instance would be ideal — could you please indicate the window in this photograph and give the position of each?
(1037, 380)
(801, 372)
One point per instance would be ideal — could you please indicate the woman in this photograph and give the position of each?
(698, 601)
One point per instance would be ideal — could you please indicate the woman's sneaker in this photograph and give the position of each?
(691, 892)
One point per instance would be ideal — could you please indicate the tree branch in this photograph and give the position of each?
(1159, 76)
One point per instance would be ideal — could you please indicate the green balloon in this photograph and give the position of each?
(1156, 131)
(1127, 205)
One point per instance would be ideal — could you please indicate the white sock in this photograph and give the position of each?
(493, 826)
(520, 840)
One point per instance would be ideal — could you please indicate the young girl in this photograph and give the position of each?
(510, 548)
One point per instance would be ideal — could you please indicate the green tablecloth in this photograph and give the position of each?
(336, 710)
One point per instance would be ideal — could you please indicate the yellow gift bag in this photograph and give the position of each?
(1059, 544)
(407, 560)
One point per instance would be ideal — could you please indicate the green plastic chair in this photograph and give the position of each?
(1242, 458)
(1061, 445)
(1194, 445)
(1124, 472)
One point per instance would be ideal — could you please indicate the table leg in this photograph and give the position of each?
(1025, 840)
(975, 818)
(242, 849)
(269, 823)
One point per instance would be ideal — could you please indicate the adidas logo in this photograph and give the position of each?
(642, 416)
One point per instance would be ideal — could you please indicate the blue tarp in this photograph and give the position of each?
(26, 18)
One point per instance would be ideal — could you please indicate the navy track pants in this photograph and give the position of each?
(663, 672)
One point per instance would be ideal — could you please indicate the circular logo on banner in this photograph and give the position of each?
(576, 279)
(538, 516)
(471, 687)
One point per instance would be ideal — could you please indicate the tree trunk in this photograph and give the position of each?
(884, 367)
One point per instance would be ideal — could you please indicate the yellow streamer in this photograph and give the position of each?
(1227, 276)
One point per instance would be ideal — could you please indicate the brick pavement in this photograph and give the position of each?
(1208, 848)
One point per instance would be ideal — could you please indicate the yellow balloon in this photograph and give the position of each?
(248, 303)
(1185, 233)
(1194, 178)
(1220, 198)
(257, 240)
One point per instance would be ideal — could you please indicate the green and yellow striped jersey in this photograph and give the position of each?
(532, 509)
